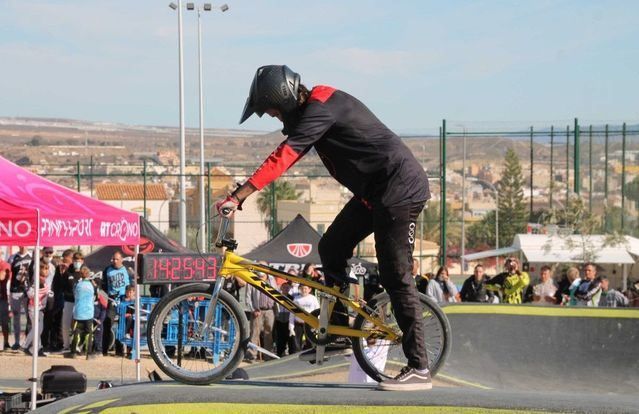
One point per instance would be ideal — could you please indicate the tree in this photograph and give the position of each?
(277, 190)
(432, 220)
(632, 191)
(574, 226)
(35, 141)
(512, 210)
(481, 235)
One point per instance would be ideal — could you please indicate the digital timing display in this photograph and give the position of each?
(158, 268)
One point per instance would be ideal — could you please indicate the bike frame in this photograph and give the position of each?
(234, 265)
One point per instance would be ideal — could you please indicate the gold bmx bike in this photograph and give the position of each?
(198, 333)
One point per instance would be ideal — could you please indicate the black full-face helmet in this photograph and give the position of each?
(273, 87)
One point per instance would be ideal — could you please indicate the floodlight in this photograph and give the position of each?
(207, 6)
(173, 6)
(190, 6)
(224, 7)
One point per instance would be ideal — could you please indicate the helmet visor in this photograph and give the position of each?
(248, 110)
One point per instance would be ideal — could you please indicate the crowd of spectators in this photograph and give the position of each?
(76, 304)
(575, 287)
(273, 327)
(278, 331)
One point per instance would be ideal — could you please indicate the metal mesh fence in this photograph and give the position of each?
(599, 162)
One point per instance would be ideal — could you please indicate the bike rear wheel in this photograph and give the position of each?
(381, 359)
(173, 340)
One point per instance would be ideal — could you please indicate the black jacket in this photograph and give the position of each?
(472, 291)
(67, 283)
(358, 150)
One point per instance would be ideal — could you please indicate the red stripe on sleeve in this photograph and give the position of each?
(321, 93)
(275, 165)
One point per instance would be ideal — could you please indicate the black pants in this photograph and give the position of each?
(82, 329)
(51, 328)
(107, 332)
(394, 229)
(283, 339)
(301, 341)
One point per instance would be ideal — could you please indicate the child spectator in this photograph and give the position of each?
(83, 312)
(511, 283)
(309, 303)
(19, 262)
(5, 313)
(48, 335)
(283, 338)
(101, 305)
(129, 297)
(43, 295)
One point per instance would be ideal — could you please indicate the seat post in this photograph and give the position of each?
(322, 332)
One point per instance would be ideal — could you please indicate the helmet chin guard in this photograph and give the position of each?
(273, 87)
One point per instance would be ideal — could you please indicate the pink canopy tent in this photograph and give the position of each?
(37, 212)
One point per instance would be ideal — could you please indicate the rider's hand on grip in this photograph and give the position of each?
(227, 205)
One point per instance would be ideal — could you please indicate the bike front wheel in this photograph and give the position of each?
(183, 349)
(382, 359)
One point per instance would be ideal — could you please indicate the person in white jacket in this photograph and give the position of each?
(43, 295)
(441, 289)
(309, 303)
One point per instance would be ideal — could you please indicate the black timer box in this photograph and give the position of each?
(175, 268)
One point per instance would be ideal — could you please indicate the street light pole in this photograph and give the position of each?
(182, 195)
(202, 231)
(463, 215)
(200, 9)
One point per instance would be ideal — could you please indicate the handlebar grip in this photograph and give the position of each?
(226, 211)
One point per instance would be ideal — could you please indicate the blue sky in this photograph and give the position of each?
(412, 62)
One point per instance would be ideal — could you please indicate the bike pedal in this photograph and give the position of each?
(314, 361)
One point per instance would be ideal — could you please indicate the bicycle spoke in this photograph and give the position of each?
(189, 348)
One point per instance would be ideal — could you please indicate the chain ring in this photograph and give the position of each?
(311, 334)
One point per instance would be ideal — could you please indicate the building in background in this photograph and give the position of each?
(131, 196)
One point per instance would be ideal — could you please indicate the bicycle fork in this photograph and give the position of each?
(210, 313)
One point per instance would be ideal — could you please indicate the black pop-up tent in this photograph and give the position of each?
(151, 240)
(296, 245)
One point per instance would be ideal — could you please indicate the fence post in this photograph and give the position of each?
(577, 158)
(531, 174)
(590, 169)
(567, 163)
(208, 206)
(273, 209)
(442, 210)
(91, 176)
(623, 175)
(552, 177)
(77, 177)
(144, 181)
(606, 181)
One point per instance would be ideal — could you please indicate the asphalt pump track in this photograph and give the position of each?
(521, 358)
